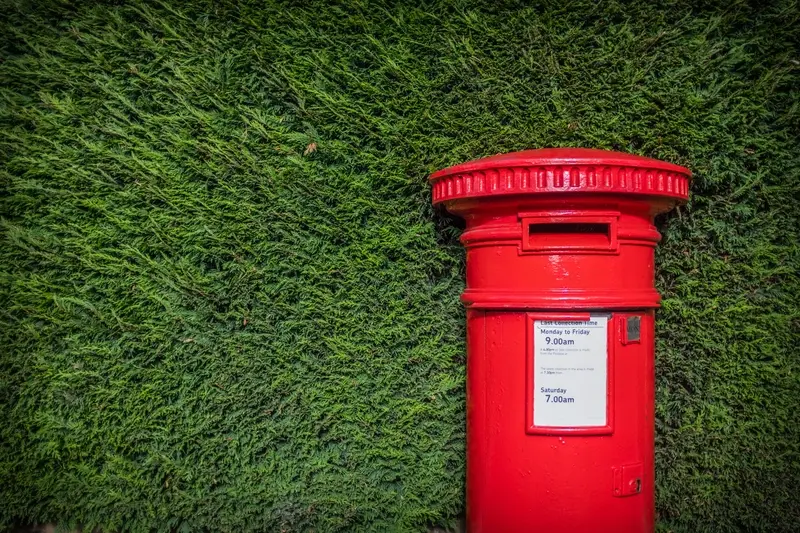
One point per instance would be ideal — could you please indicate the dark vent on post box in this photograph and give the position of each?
(560, 234)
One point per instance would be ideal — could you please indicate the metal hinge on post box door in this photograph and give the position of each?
(628, 480)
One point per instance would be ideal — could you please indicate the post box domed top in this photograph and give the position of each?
(561, 170)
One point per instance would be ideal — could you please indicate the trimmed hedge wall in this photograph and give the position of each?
(227, 304)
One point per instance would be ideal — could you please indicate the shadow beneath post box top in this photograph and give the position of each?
(448, 227)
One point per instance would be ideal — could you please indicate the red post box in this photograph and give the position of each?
(560, 304)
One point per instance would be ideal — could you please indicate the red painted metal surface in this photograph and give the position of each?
(561, 241)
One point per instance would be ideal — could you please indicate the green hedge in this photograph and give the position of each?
(227, 304)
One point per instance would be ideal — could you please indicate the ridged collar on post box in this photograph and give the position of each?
(561, 170)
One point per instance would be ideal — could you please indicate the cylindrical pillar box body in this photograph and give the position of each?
(560, 336)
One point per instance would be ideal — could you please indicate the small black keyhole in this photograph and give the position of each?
(638, 485)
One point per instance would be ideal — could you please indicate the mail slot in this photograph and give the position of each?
(561, 306)
(569, 232)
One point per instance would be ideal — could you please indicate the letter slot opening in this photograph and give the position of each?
(582, 233)
(591, 234)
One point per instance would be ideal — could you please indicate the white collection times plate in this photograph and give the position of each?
(570, 372)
